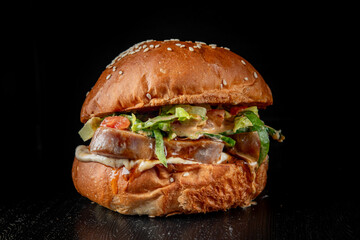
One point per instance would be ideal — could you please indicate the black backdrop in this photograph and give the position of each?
(55, 54)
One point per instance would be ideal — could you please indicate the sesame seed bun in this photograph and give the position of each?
(157, 73)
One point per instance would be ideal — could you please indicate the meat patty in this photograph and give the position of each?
(247, 146)
(125, 144)
(202, 150)
(116, 143)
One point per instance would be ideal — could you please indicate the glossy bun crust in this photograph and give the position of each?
(180, 188)
(157, 73)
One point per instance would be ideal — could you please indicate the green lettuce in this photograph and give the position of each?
(159, 147)
(259, 127)
(156, 125)
(241, 122)
(197, 110)
(227, 140)
(275, 134)
(181, 114)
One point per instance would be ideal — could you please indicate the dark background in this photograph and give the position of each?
(55, 53)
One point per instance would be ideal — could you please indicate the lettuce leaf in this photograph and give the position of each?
(241, 122)
(259, 126)
(253, 109)
(159, 147)
(227, 140)
(181, 114)
(152, 123)
(201, 111)
(275, 134)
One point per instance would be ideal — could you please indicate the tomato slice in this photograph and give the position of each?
(237, 109)
(118, 122)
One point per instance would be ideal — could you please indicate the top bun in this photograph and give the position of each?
(157, 73)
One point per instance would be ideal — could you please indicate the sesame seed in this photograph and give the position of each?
(243, 62)
(178, 44)
(255, 75)
(224, 82)
(191, 49)
(171, 179)
(146, 49)
(148, 96)
(157, 45)
(114, 68)
(87, 93)
(227, 48)
(246, 78)
(121, 72)
(182, 46)
(108, 77)
(221, 85)
(200, 42)
(144, 46)
(138, 44)
(212, 45)
(186, 174)
(169, 49)
(151, 46)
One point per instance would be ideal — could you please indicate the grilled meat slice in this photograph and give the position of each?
(125, 144)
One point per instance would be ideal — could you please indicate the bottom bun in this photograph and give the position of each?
(180, 188)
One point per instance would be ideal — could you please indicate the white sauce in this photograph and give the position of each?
(223, 158)
(83, 154)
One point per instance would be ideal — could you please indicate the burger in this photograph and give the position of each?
(174, 127)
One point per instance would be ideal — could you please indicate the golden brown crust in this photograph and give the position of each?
(180, 188)
(158, 73)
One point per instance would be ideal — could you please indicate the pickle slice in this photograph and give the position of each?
(89, 128)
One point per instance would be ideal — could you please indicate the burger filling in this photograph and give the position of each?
(183, 134)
